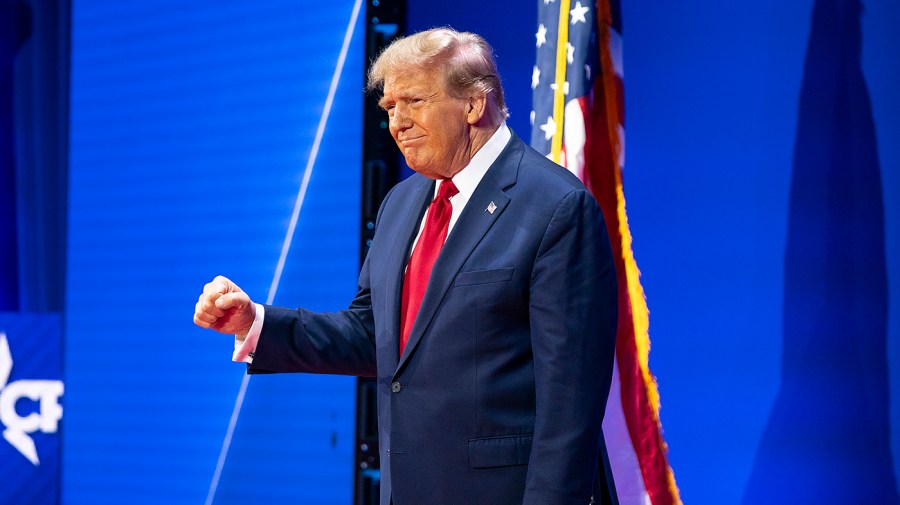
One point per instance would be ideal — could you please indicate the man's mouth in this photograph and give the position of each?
(409, 140)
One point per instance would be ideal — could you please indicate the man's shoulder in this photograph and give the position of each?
(536, 169)
(410, 185)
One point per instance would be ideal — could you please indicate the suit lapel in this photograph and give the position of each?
(470, 228)
(411, 212)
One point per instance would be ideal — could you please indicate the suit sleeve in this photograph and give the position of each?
(299, 340)
(573, 309)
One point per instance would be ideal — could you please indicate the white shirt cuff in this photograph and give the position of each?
(244, 347)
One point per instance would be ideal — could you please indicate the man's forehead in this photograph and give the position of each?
(403, 82)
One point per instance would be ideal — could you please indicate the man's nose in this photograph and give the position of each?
(400, 119)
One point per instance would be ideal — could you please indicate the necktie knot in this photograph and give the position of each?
(447, 189)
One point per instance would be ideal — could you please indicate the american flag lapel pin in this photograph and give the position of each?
(491, 207)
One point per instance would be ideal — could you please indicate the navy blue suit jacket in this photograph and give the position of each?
(499, 395)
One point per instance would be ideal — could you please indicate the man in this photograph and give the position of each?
(486, 305)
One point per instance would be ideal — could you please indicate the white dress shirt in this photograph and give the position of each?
(466, 180)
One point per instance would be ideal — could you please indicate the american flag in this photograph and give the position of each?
(578, 121)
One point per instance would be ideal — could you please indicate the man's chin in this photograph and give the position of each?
(415, 164)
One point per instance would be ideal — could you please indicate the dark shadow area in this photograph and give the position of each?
(34, 62)
(15, 28)
(827, 440)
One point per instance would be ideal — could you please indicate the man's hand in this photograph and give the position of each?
(224, 307)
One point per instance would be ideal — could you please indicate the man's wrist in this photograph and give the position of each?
(245, 345)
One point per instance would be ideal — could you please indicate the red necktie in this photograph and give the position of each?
(424, 254)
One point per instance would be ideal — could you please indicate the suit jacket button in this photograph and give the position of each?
(395, 387)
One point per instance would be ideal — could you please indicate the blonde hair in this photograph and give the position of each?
(464, 60)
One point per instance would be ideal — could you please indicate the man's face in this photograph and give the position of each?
(430, 127)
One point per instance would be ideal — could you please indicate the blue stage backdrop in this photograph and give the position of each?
(192, 126)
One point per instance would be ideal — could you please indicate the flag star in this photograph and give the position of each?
(535, 77)
(549, 128)
(541, 35)
(565, 87)
(578, 13)
(587, 72)
(570, 53)
(548, 1)
(531, 118)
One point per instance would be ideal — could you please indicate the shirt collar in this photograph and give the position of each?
(467, 179)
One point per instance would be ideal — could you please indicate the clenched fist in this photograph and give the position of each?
(224, 307)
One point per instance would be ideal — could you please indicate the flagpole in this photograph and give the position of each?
(559, 94)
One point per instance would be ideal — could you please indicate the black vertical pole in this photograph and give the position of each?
(385, 20)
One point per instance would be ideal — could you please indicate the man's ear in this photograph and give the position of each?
(476, 108)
